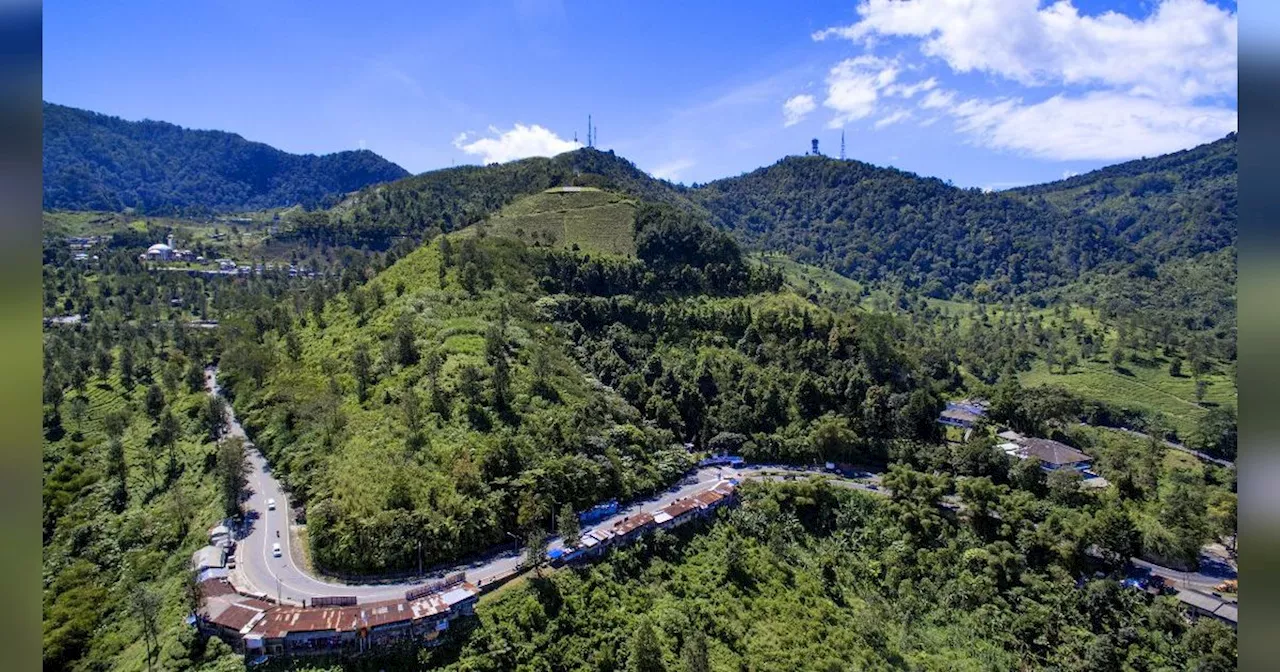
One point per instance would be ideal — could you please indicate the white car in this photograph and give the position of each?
(271, 504)
(275, 550)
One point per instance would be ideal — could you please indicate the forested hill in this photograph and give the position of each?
(1179, 204)
(875, 224)
(97, 162)
(451, 199)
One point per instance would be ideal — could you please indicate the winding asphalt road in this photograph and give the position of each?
(286, 579)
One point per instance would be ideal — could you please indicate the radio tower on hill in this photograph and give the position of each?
(842, 144)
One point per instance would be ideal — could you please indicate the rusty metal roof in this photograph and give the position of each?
(680, 507)
(234, 617)
(631, 523)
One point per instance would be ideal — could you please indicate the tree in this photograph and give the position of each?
(166, 436)
(126, 368)
(231, 468)
(832, 439)
(694, 653)
(145, 605)
(568, 526)
(1117, 356)
(1215, 433)
(535, 550)
(79, 408)
(194, 378)
(1115, 535)
(403, 337)
(103, 361)
(645, 652)
(292, 346)
(1027, 475)
(362, 369)
(1064, 486)
(213, 416)
(118, 472)
(154, 401)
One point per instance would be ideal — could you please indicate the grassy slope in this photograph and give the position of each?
(1144, 385)
(594, 220)
(372, 453)
(148, 528)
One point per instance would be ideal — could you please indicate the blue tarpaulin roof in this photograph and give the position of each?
(555, 553)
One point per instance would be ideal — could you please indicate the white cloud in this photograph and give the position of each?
(671, 170)
(854, 85)
(938, 99)
(893, 118)
(910, 90)
(1184, 49)
(520, 142)
(1101, 125)
(797, 108)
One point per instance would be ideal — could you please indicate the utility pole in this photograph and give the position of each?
(842, 144)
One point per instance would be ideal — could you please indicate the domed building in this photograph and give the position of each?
(159, 252)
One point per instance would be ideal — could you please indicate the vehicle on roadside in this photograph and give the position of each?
(1228, 586)
(271, 504)
(275, 550)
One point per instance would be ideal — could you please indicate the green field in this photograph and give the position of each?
(811, 279)
(593, 220)
(1149, 389)
(1143, 385)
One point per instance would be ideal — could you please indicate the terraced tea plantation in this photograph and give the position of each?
(593, 220)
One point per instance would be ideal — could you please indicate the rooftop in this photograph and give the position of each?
(1053, 452)
(1208, 603)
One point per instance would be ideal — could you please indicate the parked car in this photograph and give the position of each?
(275, 550)
(271, 504)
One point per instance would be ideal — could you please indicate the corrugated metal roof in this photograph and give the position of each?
(631, 523)
(234, 617)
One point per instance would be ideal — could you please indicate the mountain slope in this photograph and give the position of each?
(479, 384)
(878, 224)
(1179, 204)
(453, 198)
(96, 162)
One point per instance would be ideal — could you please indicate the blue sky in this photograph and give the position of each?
(985, 93)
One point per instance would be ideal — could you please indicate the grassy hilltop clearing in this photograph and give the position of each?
(585, 218)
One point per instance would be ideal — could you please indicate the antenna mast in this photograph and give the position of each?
(590, 142)
(842, 144)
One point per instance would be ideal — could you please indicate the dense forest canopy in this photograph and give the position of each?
(95, 162)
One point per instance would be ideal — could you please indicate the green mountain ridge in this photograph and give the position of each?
(93, 161)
